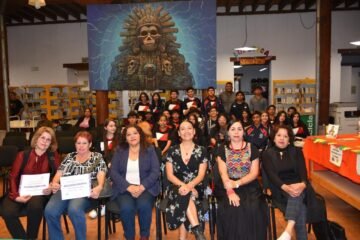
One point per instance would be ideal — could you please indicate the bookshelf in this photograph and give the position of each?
(65, 101)
(298, 93)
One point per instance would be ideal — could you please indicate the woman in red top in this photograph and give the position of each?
(43, 147)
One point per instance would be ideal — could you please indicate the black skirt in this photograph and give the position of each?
(246, 222)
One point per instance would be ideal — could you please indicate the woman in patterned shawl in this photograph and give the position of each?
(83, 161)
(242, 208)
(186, 166)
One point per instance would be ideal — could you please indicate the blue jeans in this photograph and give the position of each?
(75, 208)
(129, 206)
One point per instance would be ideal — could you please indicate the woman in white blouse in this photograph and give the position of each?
(135, 174)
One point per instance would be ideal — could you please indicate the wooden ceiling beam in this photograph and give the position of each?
(26, 15)
(58, 11)
(241, 6)
(70, 11)
(16, 18)
(295, 4)
(78, 7)
(268, 5)
(36, 13)
(255, 5)
(49, 14)
(228, 6)
(337, 3)
(282, 4)
(349, 3)
(309, 4)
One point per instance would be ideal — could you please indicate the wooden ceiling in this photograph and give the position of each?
(18, 12)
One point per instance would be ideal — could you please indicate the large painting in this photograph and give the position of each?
(165, 45)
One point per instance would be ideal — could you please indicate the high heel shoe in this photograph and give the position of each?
(198, 232)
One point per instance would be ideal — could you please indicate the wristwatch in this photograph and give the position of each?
(237, 185)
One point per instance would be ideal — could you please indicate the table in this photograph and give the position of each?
(19, 124)
(343, 180)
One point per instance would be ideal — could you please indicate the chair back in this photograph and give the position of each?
(20, 141)
(65, 144)
(7, 155)
(15, 133)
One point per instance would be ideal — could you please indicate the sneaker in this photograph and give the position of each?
(285, 236)
(93, 213)
(102, 212)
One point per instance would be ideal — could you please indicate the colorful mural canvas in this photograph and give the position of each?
(164, 45)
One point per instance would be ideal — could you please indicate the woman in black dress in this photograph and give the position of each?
(242, 207)
(285, 168)
(186, 166)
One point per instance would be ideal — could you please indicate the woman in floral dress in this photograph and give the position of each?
(186, 166)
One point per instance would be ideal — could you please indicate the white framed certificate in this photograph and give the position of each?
(33, 184)
(76, 186)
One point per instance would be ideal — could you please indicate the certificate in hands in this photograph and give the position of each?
(76, 186)
(33, 184)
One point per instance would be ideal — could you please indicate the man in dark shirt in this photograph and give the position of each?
(191, 103)
(16, 106)
(227, 97)
(174, 104)
(212, 101)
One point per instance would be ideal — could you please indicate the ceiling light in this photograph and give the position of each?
(245, 49)
(263, 69)
(37, 3)
(357, 43)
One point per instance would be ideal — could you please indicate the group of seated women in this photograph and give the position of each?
(132, 162)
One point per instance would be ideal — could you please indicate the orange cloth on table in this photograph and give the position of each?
(319, 153)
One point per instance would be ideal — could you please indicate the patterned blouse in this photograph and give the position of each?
(238, 162)
(70, 166)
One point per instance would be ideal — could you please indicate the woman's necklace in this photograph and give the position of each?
(82, 158)
(187, 152)
(239, 145)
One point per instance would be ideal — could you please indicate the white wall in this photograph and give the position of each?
(355, 81)
(46, 47)
(289, 41)
(49, 46)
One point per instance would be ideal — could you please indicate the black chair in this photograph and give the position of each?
(65, 145)
(66, 127)
(13, 133)
(7, 157)
(20, 141)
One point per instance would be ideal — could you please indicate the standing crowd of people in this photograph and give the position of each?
(222, 136)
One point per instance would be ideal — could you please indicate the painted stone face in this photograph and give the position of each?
(133, 66)
(167, 67)
(149, 36)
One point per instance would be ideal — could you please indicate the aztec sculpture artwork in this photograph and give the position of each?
(149, 57)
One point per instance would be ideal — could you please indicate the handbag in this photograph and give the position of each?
(164, 203)
(315, 205)
(107, 188)
(336, 231)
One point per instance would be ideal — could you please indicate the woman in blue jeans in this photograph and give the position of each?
(135, 174)
(82, 161)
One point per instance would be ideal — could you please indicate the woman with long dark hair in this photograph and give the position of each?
(157, 105)
(186, 166)
(299, 128)
(135, 174)
(242, 207)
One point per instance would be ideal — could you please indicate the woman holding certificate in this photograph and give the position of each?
(82, 163)
(40, 159)
(135, 174)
